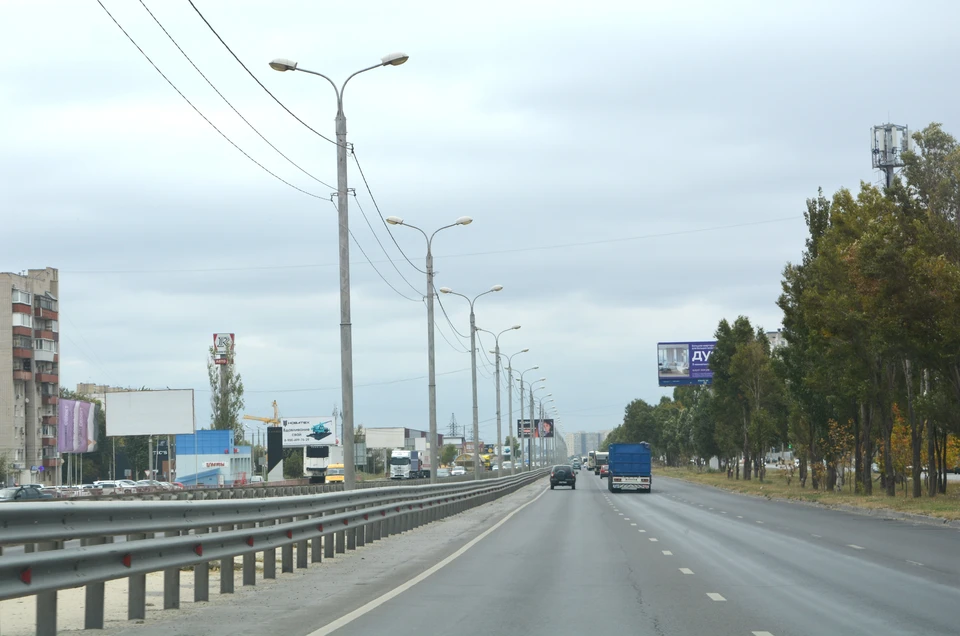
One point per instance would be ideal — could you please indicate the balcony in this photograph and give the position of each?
(45, 334)
(22, 375)
(22, 331)
(50, 462)
(46, 314)
(20, 352)
(52, 378)
(50, 420)
(22, 308)
(49, 441)
(50, 399)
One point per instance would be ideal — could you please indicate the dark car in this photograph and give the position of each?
(563, 475)
(604, 471)
(23, 493)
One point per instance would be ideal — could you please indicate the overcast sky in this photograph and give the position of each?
(636, 171)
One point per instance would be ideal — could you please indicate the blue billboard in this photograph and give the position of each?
(684, 363)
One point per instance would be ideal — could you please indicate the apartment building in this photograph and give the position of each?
(29, 374)
(582, 442)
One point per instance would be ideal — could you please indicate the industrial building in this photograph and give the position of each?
(211, 458)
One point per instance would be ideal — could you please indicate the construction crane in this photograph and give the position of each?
(273, 421)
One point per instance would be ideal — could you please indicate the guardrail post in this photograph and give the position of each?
(370, 530)
(316, 548)
(94, 594)
(250, 562)
(201, 576)
(302, 556)
(340, 537)
(328, 546)
(171, 582)
(47, 601)
(351, 533)
(137, 589)
(286, 553)
(269, 557)
(226, 568)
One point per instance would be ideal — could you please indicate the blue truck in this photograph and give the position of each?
(629, 466)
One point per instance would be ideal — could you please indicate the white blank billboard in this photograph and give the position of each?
(165, 412)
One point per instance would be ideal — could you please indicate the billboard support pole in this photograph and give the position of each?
(149, 457)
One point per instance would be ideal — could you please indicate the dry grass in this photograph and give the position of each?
(775, 485)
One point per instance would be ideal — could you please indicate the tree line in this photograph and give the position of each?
(870, 369)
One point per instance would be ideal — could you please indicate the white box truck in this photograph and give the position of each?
(316, 459)
(406, 464)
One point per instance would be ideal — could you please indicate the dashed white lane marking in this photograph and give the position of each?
(686, 571)
(620, 513)
(917, 563)
(633, 524)
(626, 518)
(761, 633)
(641, 530)
(817, 536)
(654, 539)
(701, 505)
(709, 508)
(713, 596)
(723, 512)
(854, 546)
(739, 516)
(759, 521)
(667, 553)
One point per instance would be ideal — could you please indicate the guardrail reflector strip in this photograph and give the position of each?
(127, 560)
(250, 541)
(26, 575)
(198, 549)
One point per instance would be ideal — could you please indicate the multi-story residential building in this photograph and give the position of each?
(98, 391)
(29, 374)
(583, 442)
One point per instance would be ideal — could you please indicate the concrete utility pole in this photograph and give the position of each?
(496, 353)
(431, 353)
(346, 334)
(473, 369)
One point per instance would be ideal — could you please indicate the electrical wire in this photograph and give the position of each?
(227, 102)
(367, 258)
(197, 110)
(382, 219)
(449, 322)
(337, 388)
(282, 105)
(382, 248)
(452, 346)
(462, 255)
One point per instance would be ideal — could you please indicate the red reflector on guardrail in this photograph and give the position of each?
(289, 534)
(320, 527)
(398, 508)
(250, 541)
(26, 575)
(198, 549)
(127, 560)
(366, 516)
(383, 513)
(344, 522)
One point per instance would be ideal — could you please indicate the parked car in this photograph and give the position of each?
(604, 471)
(458, 470)
(149, 484)
(563, 475)
(443, 472)
(23, 493)
(508, 465)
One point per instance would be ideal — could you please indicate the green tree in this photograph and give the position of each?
(226, 396)
(448, 453)
(293, 463)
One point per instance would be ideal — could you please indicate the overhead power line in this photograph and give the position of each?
(240, 62)
(449, 322)
(462, 255)
(337, 388)
(198, 111)
(383, 249)
(227, 102)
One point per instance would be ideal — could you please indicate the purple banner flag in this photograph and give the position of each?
(76, 428)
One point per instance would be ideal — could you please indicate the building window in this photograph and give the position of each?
(41, 344)
(23, 342)
(53, 325)
(22, 297)
(22, 320)
(46, 303)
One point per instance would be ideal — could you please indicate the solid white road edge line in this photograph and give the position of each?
(346, 619)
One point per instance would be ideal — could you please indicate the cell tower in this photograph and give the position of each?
(888, 142)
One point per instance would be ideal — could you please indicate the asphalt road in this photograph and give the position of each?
(687, 560)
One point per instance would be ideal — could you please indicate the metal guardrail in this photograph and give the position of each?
(169, 535)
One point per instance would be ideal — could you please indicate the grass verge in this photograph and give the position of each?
(944, 506)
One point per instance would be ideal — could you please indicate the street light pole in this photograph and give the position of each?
(473, 370)
(346, 334)
(431, 361)
(513, 463)
(496, 353)
(528, 447)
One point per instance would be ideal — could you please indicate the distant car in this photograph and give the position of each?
(563, 475)
(507, 465)
(495, 467)
(576, 465)
(149, 484)
(604, 471)
(166, 485)
(458, 470)
(23, 493)
(443, 472)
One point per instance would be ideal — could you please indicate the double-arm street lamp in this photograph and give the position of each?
(346, 336)
(513, 462)
(431, 363)
(529, 449)
(496, 352)
(473, 369)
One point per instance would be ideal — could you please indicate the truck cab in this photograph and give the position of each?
(335, 474)
(404, 464)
